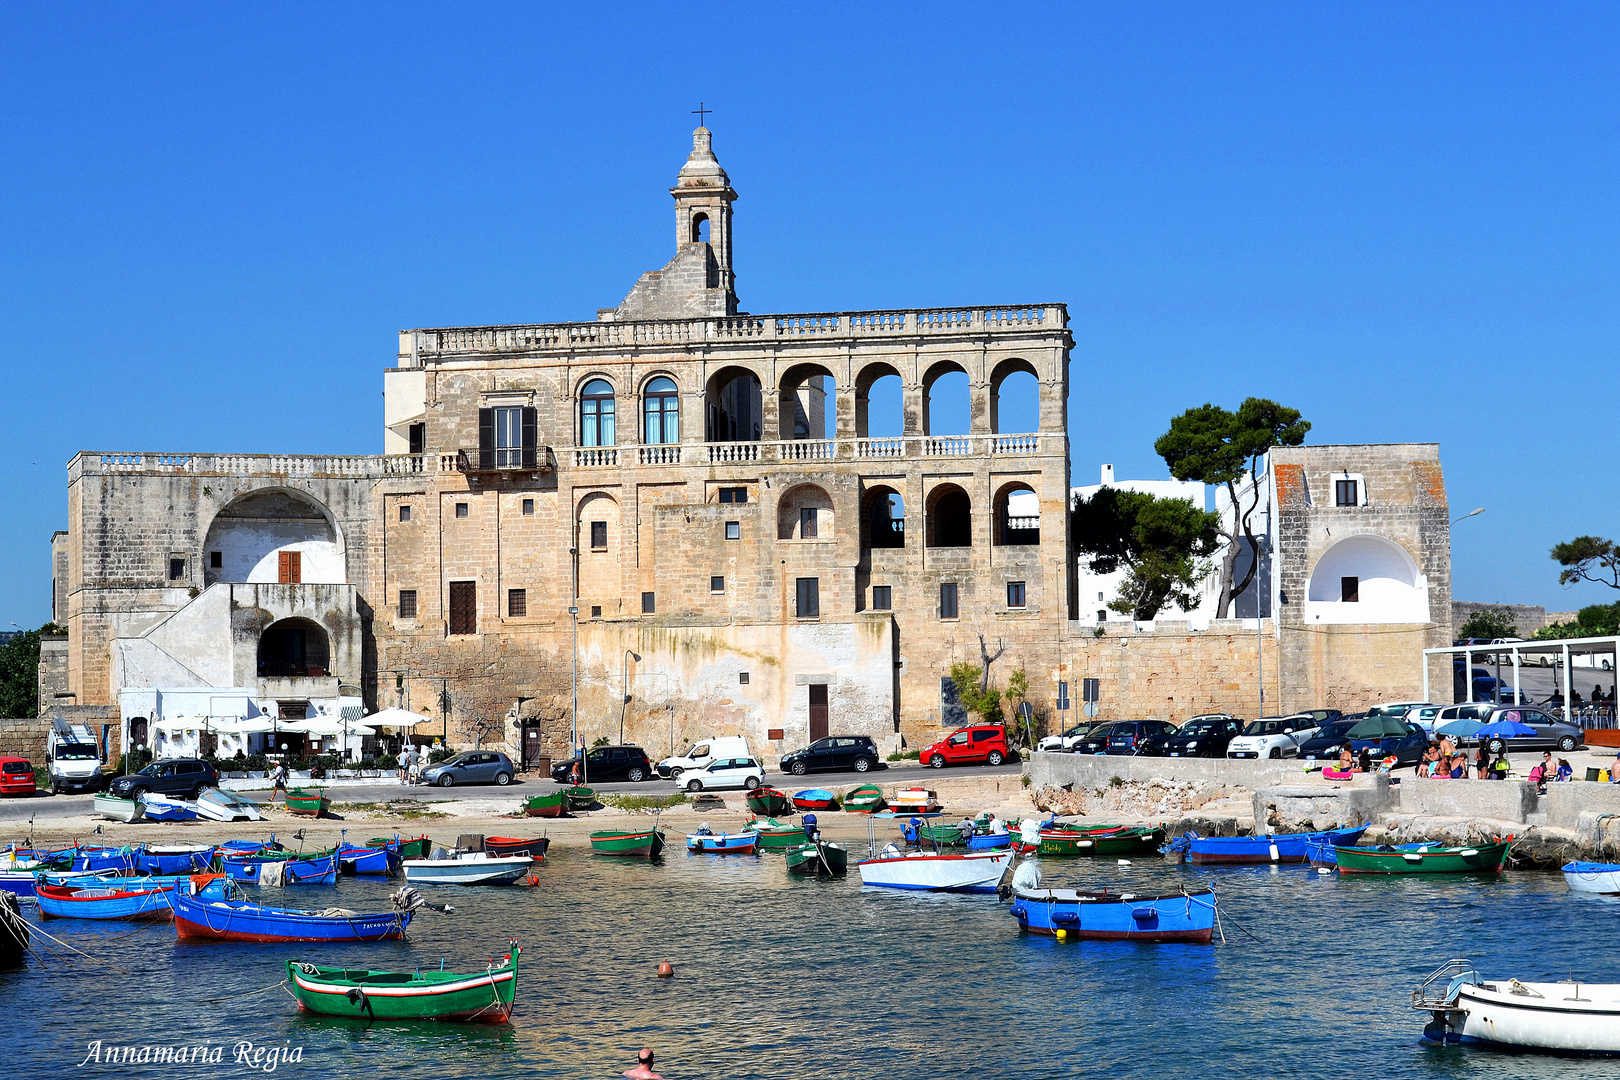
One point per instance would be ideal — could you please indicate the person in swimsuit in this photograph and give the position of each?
(644, 1067)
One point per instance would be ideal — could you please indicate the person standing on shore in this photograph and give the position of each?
(278, 781)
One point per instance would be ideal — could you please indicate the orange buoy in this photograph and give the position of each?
(666, 970)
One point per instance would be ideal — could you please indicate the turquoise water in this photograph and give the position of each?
(782, 977)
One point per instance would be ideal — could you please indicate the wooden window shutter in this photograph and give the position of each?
(531, 437)
(283, 567)
(295, 566)
(486, 438)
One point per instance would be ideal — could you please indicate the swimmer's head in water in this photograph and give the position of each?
(645, 1057)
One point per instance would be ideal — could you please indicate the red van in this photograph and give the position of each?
(968, 746)
(16, 776)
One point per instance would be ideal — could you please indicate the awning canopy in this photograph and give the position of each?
(325, 725)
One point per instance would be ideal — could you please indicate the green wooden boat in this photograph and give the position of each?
(822, 858)
(486, 997)
(1424, 859)
(767, 800)
(416, 848)
(580, 798)
(942, 835)
(308, 803)
(775, 835)
(636, 843)
(866, 799)
(551, 804)
(1077, 827)
(1127, 841)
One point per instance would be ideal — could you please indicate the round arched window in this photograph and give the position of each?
(596, 416)
(663, 411)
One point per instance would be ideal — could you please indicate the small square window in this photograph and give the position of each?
(598, 536)
(1102, 614)
(1345, 494)
(882, 598)
(596, 611)
(461, 510)
(517, 603)
(733, 530)
(947, 600)
(216, 559)
(647, 606)
(528, 507)
(177, 569)
(809, 597)
(733, 494)
(407, 603)
(717, 583)
(742, 678)
(404, 513)
(1015, 594)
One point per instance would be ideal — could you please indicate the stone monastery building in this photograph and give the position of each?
(654, 493)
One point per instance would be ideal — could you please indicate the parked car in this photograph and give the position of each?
(969, 745)
(1485, 686)
(1327, 739)
(1202, 736)
(739, 772)
(1425, 717)
(608, 763)
(16, 776)
(1273, 737)
(181, 777)
(1095, 741)
(856, 752)
(1397, 709)
(703, 752)
(1407, 747)
(1068, 739)
(471, 767)
(1130, 736)
(1550, 734)
(1324, 716)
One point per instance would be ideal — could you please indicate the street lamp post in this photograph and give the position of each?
(1471, 513)
(573, 611)
(625, 703)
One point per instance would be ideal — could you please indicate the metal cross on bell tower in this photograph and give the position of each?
(700, 112)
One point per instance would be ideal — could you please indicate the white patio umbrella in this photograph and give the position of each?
(400, 718)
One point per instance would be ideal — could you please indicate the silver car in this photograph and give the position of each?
(471, 767)
(1549, 734)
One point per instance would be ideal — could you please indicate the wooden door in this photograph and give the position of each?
(464, 607)
(818, 711)
(531, 745)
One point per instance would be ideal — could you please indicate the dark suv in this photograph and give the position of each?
(1202, 736)
(608, 763)
(1130, 736)
(856, 752)
(181, 777)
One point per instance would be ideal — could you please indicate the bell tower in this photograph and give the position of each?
(703, 198)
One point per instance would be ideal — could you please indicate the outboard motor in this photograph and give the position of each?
(812, 832)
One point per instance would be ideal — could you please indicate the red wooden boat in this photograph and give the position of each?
(814, 799)
(504, 846)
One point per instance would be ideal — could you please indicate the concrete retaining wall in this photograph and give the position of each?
(1091, 771)
(1564, 803)
(1306, 807)
(1504, 800)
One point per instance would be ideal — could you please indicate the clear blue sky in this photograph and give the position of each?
(1400, 219)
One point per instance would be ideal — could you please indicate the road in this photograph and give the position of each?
(44, 807)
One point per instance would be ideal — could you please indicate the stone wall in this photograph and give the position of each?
(1505, 800)
(53, 672)
(25, 737)
(1528, 618)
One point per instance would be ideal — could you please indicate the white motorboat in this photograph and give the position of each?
(928, 871)
(467, 868)
(218, 805)
(1593, 877)
(113, 808)
(1553, 1017)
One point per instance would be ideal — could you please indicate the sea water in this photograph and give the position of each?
(782, 977)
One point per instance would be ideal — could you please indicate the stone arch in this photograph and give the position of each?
(807, 398)
(733, 406)
(599, 529)
(1013, 522)
(252, 533)
(950, 517)
(883, 518)
(804, 512)
(294, 647)
(1366, 579)
(891, 420)
(937, 371)
(1024, 393)
(700, 228)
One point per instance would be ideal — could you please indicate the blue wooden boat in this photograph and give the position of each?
(1258, 850)
(368, 860)
(201, 919)
(713, 843)
(174, 858)
(1105, 916)
(163, 808)
(112, 902)
(246, 847)
(18, 882)
(989, 841)
(813, 799)
(91, 858)
(319, 869)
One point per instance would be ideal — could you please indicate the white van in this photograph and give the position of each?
(71, 758)
(701, 753)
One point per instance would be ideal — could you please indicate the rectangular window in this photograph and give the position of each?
(598, 536)
(508, 438)
(1350, 590)
(947, 600)
(177, 569)
(404, 513)
(216, 559)
(517, 603)
(1344, 493)
(742, 678)
(528, 507)
(596, 611)
(882, 598)
(717, 584)
(647, 605)
(290, 567)
(809, 597)
(733, 530)
(733, 494)
(407, 603)
(807, 522)
(464, 607)
(418, 438)
(461, 510)
(1015, 594)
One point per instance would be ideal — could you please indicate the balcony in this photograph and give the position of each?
(799, 451)
(495, 462)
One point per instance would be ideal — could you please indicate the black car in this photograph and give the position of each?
(1129, 736)
(856, 752)
(181, 777)
(1202, 736)
(608, 763)
(1322, 716)
(1096, 740)
(1328, 738)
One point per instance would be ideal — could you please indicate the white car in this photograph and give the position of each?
(1068, 740)
(1273, 737)
(736, 772)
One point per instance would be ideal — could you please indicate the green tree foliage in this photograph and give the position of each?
(19, 676)
(1596, 620)
(1490, 623)
(1163, 544)
(1588, 558)
(1211, 445)
(976, 697)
